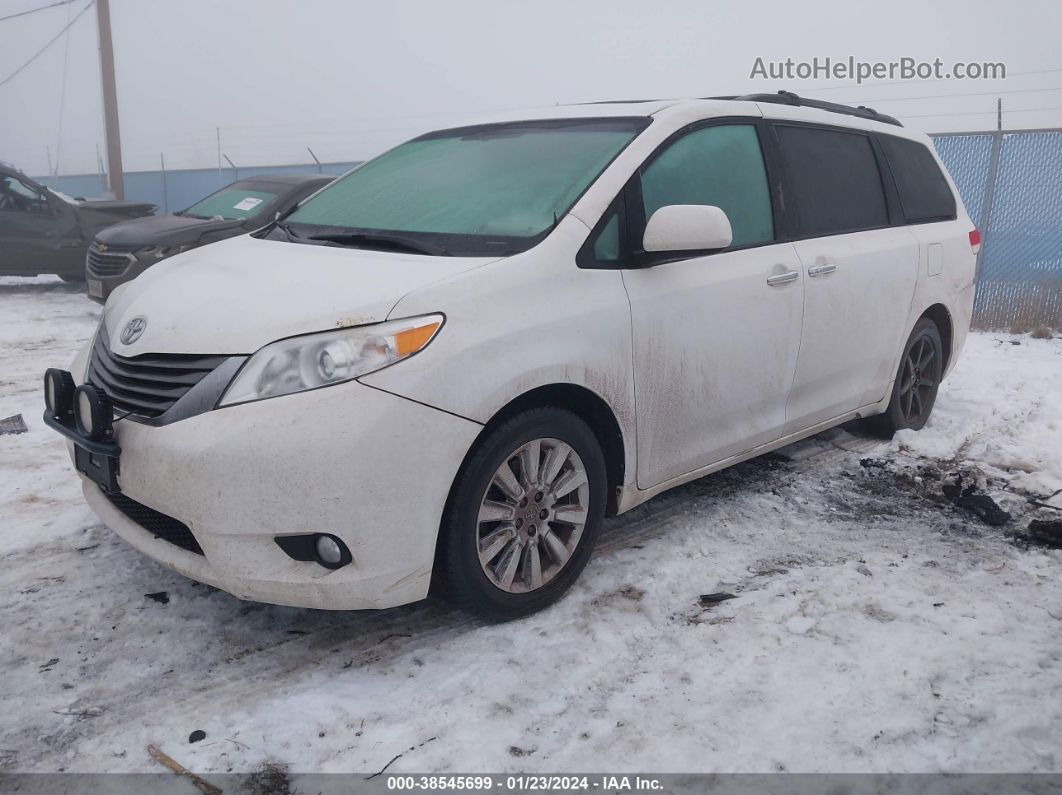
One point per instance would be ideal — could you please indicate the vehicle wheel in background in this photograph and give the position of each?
(917, 381)
(523, 516)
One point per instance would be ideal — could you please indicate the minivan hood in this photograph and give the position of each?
(163, 230)
(235, 296)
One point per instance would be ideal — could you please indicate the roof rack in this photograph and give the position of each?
(789, 98)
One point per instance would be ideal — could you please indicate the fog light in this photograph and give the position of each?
(59, 394)
(93, 413)
(321, 548)
(331, 552)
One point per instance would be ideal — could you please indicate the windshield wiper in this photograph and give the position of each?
(284, 229)
(395, 241)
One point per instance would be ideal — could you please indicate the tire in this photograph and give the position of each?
(914, 393)
(515, 519)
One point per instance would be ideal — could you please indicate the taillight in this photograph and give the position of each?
(975, 240)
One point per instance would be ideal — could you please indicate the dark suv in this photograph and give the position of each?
(42, 231)
(124, 251)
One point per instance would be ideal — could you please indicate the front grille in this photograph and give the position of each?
(109, 263)
(149, 384)
(158, 524)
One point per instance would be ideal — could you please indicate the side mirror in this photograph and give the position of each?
(687, 227)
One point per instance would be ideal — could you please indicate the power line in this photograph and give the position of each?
(945, 96)
(51, 41)
(981, 113)
(35, 10)
(922, 82)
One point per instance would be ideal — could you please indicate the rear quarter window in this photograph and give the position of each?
(924, 192)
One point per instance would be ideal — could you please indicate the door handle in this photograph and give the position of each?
(783, 278)
(821, 270)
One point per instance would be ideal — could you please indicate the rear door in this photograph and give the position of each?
(715, 342)
(860, 271)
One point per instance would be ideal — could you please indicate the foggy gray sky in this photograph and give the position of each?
(351, 78)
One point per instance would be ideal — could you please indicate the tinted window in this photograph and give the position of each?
(836, 184)
(721, 166)
(924, 193)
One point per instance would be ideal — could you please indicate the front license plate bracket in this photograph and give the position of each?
(101, 469)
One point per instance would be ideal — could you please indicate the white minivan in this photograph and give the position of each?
(445, 368)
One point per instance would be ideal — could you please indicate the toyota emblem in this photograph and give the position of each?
(133, 330)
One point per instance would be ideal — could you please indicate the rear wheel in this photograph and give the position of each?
(524, 515)
(914, 392)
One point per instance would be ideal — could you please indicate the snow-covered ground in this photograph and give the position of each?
(877, 627)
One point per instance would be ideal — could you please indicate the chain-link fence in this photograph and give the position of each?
(1011, 183)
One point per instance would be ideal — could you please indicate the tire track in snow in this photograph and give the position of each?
(245, 642)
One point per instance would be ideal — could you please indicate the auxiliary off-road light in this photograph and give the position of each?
(59, 394)
(93, 413)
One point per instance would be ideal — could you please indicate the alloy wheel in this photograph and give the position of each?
(532, 515)
(921, 374)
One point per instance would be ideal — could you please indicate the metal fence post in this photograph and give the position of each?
(985, 222)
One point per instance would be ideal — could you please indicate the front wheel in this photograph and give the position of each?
(915, 390)
(524, 515)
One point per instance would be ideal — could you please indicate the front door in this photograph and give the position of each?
(28, 224)
(715, 335)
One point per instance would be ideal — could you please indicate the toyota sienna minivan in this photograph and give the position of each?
(445, 368)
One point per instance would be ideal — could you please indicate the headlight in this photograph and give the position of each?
(330, 357)
(161, 252)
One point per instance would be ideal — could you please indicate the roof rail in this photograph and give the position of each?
(789, 98)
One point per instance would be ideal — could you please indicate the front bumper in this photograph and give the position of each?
(367, 466)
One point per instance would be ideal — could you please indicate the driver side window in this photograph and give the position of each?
(17, 196)
(721, 165)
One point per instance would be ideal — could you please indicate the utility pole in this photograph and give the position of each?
(115, 175)
(165, 190)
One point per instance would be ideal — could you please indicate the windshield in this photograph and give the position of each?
(484, 190)
(231, 204)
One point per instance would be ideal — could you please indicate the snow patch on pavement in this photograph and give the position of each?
(876, 626)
